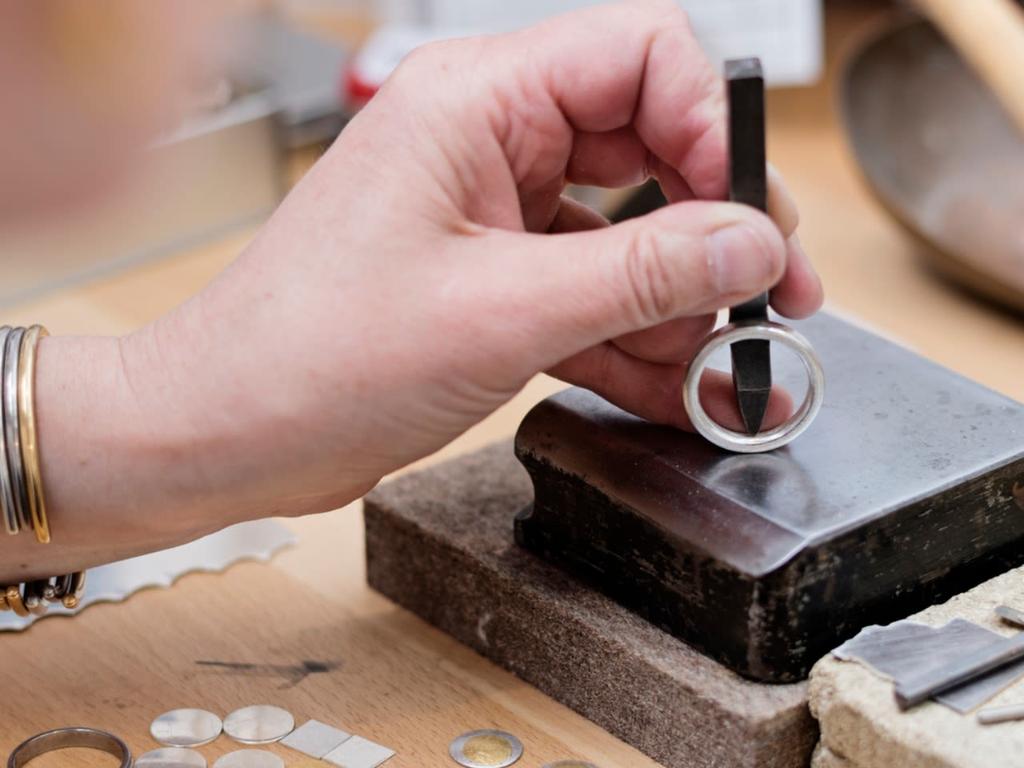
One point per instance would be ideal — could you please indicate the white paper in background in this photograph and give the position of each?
(258, 540)
(786, 34)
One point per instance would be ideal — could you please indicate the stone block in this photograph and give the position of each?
(826, 758)
(859, 718)
(440, 543)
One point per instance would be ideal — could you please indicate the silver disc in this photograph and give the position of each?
(171, 757)
(486, 749)
(186, 728)
(259, 724)
(249, 758)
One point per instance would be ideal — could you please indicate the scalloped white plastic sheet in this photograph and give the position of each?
(257, 540)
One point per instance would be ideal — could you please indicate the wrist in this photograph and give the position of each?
(113, 473)
(236, 412)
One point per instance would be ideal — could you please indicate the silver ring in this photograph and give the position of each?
(770, 439)
(70, 738)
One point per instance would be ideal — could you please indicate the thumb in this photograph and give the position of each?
(690, 258)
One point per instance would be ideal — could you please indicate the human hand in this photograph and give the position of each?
(429, 266)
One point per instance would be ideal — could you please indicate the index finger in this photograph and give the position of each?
(632, 63)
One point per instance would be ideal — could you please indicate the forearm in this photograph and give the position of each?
(160, 437)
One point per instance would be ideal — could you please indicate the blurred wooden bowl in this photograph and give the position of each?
(941, 155)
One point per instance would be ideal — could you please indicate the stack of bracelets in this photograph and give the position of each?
(21, 482)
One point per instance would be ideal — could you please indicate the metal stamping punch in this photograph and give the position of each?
(749, 333)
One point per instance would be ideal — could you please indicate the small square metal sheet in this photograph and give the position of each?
(905, 648)
(358, 752)
(315, 739)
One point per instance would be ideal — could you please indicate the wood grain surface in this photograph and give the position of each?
(397, 681)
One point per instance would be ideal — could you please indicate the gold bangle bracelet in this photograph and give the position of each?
(27, 429)
(14, 601)
(76, 586)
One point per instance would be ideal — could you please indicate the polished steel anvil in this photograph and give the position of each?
(906, 490)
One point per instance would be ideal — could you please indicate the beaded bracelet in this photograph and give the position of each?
(22, 503)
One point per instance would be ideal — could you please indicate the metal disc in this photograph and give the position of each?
(486, 749)
(186, 728)
(249, 758)
(259, 724)
(171, 757)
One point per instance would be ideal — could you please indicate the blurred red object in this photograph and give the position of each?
(379, 57)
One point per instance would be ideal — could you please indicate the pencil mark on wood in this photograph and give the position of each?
(293, 674)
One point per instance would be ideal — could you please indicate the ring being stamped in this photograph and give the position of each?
(770, 439)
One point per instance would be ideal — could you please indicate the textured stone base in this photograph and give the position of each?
(860, 720)
(439, 542)
(826, 758)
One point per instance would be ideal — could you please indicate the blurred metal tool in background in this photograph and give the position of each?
(267, 87)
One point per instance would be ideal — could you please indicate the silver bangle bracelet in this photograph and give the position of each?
(35, 596)
(11, 419)
(70, 738)
(10, 514)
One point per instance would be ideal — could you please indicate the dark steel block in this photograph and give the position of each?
(909, 488)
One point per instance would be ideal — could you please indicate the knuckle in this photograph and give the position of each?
(433, 54)
(682, 19)
(428, 61)
(668, 14)
(679, 18)
(441, 76)
(651, 294)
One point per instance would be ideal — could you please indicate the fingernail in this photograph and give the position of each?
(739, 260)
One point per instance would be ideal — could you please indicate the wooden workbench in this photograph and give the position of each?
(397, 680)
